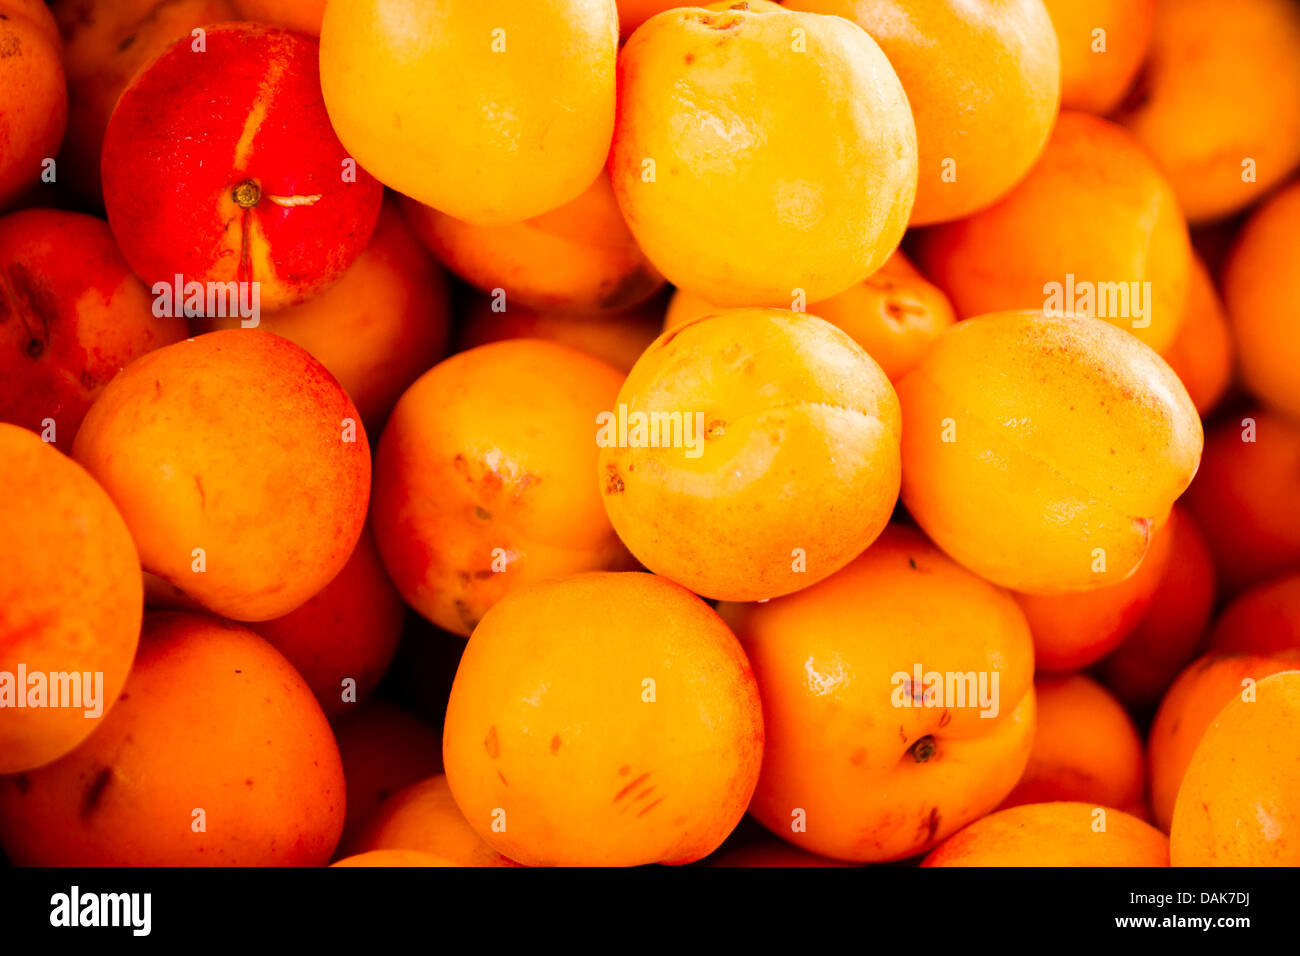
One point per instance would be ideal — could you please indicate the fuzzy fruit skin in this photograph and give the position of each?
(33, 94)
(71, 598)
(1239, 803)
(786, 485)
(548, 721)
(806, 161)
(524, 111)
(1065, 436)
(211, 717)
(234, 442)
(1092, 79)
(1054, 834)
(72, 314)
(839, 745)
(193, 128)
(1203, 350)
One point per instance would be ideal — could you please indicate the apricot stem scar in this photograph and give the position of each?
(247, 194)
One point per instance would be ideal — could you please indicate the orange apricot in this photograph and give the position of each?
(1086, 748)
(769, 851)
(216, 754)
(514, 129)
(603, 719)
(301, 15)
(579, 257)
(394, 858)
(983, 79)
(378, 328)
(1039, 451)
(1103, 46)
(752, 127)
(1263, 620)
(743, 491)
(1239, 802)
(1141, 669)
(1244, 497)
(1261, 285)
(1055, 834)
(894, 314)
(70, 602)
(1190, 706)
(633, 13)
(239, 465)
(1094, 229)
(898, 701)
(484, 478)
(1218, 103)
(424, 818)
(33, 95)
(1201, 353)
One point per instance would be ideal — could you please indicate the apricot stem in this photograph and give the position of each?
(247, 194)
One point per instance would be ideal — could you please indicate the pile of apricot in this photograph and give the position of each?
(494, 433)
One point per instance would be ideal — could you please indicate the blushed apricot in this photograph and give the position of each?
(1093, 229)
(424, 818)
(33, 95)
(379, 327)
(603, 719)
(1239, 802)
(1077, 628)
(1040, 451)
(301, 15)
(484, 478)
(898, 701)
(1165, 640)
(394, 858)
(1263, 620)
(750, 454)
(1193, 701)
(70, 602)
(216, 754)
(579, 257)
(1103, 45)
(1218, 103)
(1086, 747)
(1261, 285)
(1201, 354)
(751, 127)
(894, 314)
(1244, 497)
(72, 313)
(515, 128)
(1055, 834)
(239, 465)
(983, 79)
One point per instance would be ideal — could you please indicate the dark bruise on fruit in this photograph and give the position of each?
(924, 749)
(95, 792)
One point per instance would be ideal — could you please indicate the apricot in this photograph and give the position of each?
(1189, 707)
(894, 314)
(343, 639)
(1086, 748)
(1263, 620)
(524, 110)
(79, 314)
(33, 95)
(750, 127)
(1239, 803)
(1140, 670)
(1103, 46)
(1055, 834)
(1094, 229)
(378, 328)
(617, 338)
(633, 13)
(983, 79)
(216, 754)
(1261, 284)
(220, 166)
(1244, 497)
(1218, 103)
(579, 257)
(239, 466)
(70, 602)
(1077, 628)
(751, 454)
(1039, 451)
(393, 858)
(770, 851)
(424, 818)
(898, 701)
(603, 720)
(484, 478)
(302, 15)
(384, 749)
(105, 43)
(1202, 351)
